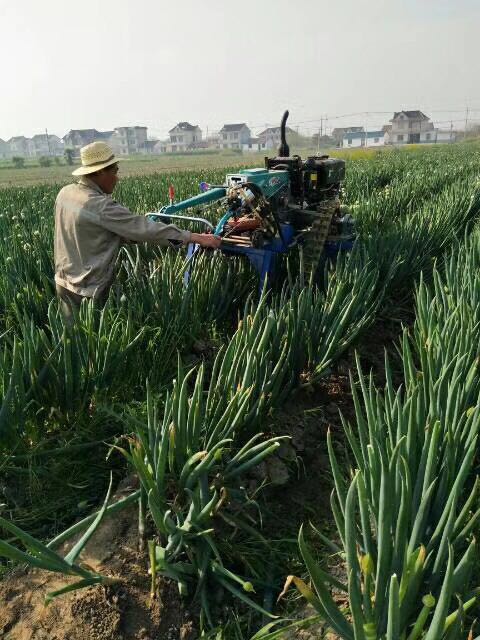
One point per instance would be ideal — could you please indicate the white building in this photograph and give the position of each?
(252, 145)
(356, 139)
(445, 135)
(129, 140)
(21, 146)
(411, 127)
(338, 133)
(234, 136)
(184, 136)
(46, 145)
(270, 138)
(4, 150)
(78, 138)
(161, 146)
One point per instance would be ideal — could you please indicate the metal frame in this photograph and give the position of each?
(181, 217)
(262, 259)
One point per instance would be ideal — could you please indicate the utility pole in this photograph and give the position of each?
(48, 142)
(366, 130)
(451, 130)
(318, 141)
(466, 123)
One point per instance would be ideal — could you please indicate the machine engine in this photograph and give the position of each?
(267, 211)
(301, 193)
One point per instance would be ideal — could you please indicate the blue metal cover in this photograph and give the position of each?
(269, 181)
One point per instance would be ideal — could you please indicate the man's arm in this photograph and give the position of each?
(128, 225)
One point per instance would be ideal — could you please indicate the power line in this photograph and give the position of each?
(334, 117)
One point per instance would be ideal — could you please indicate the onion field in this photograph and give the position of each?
(179, 384)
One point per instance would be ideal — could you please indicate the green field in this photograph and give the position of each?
(32, 173)
(131, 166)
(187, 386)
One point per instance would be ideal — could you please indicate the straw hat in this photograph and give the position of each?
(95, 156)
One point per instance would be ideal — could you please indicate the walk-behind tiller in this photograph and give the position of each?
(268, 211)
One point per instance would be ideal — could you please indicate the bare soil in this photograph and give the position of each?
(119, 612)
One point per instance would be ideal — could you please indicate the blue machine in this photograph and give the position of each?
(269, 210)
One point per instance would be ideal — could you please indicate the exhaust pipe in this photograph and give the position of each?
(283, 149)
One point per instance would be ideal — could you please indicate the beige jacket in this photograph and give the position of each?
(90, 227)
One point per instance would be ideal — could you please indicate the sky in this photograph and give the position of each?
(94, 64)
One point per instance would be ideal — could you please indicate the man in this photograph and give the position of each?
(90, 227)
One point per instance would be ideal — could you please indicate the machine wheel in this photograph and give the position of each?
(315, 240)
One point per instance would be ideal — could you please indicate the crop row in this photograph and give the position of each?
(407, 512)
(204, 433)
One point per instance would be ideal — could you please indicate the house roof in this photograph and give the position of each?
(89, 133)
(347, 130)
(416, 114)
(274, 131)
(356, 135)
(82, 132)
(184, 126)
(43, 137)
(324, 137)
(18, 139)
(233, 127)
(134, 127)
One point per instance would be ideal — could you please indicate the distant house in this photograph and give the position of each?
(270, 138)
(128, 140)
(4, 150)
(234, 136)
(46, 145)
(20, 146)
(445, 135)
(323, 141)
(149, 146)
(162, 146)
(339, 132)
(387, 131)
(251, 145)
(184, 136)
(411, 127)
(363, 139)
(213, 140)
(77, 138)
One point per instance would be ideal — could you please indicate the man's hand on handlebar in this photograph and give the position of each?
(206, 240)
